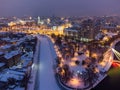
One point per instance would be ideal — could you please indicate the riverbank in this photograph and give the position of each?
(111, 82)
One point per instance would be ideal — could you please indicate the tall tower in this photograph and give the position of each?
(38, 20)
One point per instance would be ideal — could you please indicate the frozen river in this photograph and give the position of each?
(45, 75)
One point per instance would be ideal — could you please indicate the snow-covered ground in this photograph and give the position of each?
(46, 77)
(31, 86)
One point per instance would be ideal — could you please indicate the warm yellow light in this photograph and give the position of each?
(74, 82)
(103, 64)
(61, 65)
(59, 55)
(62, 60)
(94, 55)
(106, 38)
(62, 72)
(87, 53)
(72, 64)
(74, 59)
(96, 70)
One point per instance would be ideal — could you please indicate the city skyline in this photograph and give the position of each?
(59, 53)
(59, 7)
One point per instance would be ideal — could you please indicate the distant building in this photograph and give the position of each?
(71, 32)
(40, 22)
(77, 33)
(87, 30)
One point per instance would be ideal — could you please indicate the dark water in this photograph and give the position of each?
(111, 82)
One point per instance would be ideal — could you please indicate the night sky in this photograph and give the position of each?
(59, 7)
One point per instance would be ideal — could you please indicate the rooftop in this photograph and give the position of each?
(11, 54)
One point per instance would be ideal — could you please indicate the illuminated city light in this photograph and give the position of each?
(94, 55)
(75, 82)
(72, 64)
(74, 59)
(117, 54)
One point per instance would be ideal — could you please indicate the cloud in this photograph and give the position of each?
(58, 7)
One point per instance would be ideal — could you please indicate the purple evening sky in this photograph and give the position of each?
(59, 7)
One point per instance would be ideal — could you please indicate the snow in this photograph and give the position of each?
(11, 54)
(75, 67)
(77, 83)
(26, 58)
(2, 64)
(6, 39)
(11, 74)
(46, 74)
(42, 75)
(18, 88)
(45, 79)
(1, 53)
(5, 46)
(31, 86)
(98, 36)
(18, 68)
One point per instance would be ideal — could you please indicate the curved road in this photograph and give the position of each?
(45, 76)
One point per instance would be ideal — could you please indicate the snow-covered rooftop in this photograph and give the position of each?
(6, 39)
(11, 54)
(19, 88)
(5, 46)
(11, 74)
(2, 64)
(1, 53)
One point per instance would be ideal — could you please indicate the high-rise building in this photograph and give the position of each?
(87, 29)
(38, 20)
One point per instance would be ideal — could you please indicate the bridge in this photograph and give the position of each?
(110, 54)
(115, 52)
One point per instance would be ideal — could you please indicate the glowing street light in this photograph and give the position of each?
(74, 82)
